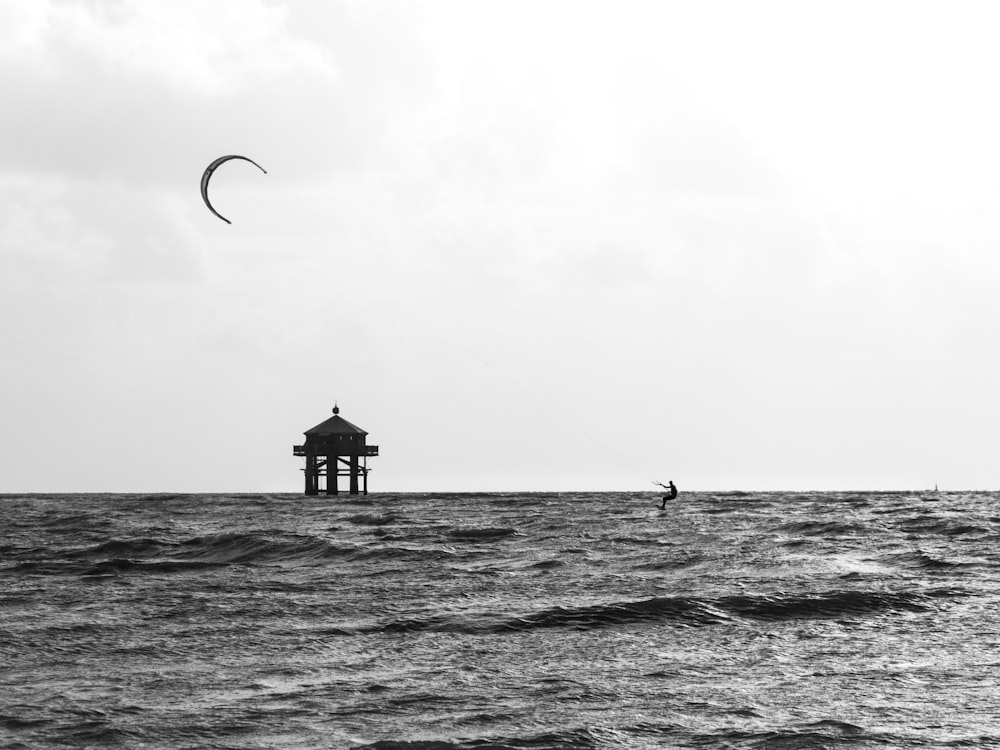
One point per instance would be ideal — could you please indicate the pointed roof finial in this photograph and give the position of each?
(336, 409)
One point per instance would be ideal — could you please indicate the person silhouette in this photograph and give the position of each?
(673, 493)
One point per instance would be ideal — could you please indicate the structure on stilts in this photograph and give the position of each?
(335, 448)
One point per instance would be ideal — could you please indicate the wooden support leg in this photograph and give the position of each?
(311, 478)
(354, 475)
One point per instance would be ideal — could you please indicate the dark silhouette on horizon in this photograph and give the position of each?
(335, 448)
(673, 493)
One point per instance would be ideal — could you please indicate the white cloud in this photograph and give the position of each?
(192, 47)
(23, 26)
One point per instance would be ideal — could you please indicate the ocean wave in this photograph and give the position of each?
(143, 547)
(674, 563)
(481, 534)
(397, 554)
(162, 497)
(149, 555)
(547, 564)
(373, 519)
(678, 611)
(637, 541)
(253, 548)
(822, 528)
(111, 567)
(693, 611)
(918, 559)
(944, 527)
(72, 522)
(826, 605)
(571, 739)
(820, 734)
(119, 566)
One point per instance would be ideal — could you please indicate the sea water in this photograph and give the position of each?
(526, 620)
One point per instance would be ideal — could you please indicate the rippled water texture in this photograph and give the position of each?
(500, 621)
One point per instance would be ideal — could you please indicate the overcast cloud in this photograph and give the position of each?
(526, 245)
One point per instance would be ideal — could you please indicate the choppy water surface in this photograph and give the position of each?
(431, 622)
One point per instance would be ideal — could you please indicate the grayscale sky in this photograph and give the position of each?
(526, 245)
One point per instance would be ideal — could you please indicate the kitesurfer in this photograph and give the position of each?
(672, 488)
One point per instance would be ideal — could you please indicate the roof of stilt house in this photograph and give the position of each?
(335, 425)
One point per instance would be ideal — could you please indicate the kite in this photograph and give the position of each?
(208, 176)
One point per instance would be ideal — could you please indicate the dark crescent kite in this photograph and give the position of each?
(208, 176)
